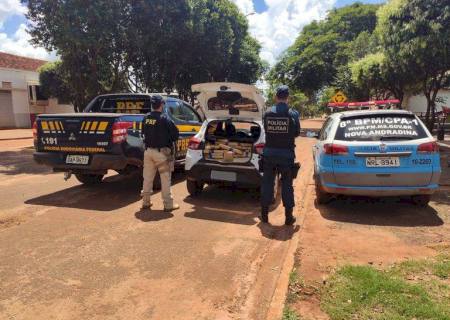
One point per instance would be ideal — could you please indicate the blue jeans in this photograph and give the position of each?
(271, 167)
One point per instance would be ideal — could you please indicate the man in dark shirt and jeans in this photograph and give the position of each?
(282, 126)
(160, 135)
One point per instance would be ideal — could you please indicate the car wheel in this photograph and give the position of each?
(322, 197)
(194, 187)
(89, 179)
(421, 200)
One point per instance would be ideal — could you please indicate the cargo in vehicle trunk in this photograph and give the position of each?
(230, 141)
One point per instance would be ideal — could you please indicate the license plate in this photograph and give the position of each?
(382, 162)
(75, 159)
(223, 176)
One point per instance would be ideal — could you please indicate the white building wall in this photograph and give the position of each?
(418, 103)
(21, 108)
(20, 80)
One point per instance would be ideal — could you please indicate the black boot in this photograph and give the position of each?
(264, 217)
(290, 219)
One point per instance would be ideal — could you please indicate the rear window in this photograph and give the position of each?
(132, 105)
(380, 127)
(244, 104)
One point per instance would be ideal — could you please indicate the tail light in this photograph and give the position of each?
(429, 147)
(335, 149)
(120, 131)
(194, 143)
(259, 148)
(35, 131)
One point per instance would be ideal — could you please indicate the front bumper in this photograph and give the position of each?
(246, 175)
(98, 163)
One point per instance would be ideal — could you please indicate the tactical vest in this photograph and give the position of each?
(280, 130)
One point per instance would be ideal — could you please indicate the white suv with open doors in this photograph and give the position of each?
(228, 147)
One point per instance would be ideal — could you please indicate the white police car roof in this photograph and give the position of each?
(356, 113)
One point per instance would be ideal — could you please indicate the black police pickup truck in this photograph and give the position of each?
(106, 136)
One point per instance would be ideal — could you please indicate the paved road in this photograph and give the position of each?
(70, 252)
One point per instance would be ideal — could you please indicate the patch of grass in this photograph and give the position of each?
(289, 314)
(442, 267)
(363, 293)
(439, 267)
(295, 286)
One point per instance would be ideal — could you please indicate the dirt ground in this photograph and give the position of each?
(366, 231)
(72, 252)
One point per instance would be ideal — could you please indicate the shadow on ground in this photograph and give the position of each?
(20, 162)
(114, 193)
(146, 215)
(279, 233)
(224, 204)
(380, 212)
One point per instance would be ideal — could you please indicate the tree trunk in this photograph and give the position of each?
(429, 123)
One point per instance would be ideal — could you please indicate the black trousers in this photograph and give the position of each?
(271, 167)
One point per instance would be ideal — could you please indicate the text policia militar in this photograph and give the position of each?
(278, 125)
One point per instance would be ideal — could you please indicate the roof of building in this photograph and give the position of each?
(11, 61)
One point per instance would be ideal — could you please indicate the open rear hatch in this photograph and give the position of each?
(230, 141)
(226, 99)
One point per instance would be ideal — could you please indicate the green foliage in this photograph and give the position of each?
(54, 83)
(416, 38)
(365, 293)
(117, 45)
(320, 54)
(289, 314)
(298, 100)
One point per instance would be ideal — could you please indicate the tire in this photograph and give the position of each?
(421, 200)
(194, 187)
(322, 197)
(89, 179)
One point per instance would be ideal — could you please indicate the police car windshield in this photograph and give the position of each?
(396, 127)
(243, 104)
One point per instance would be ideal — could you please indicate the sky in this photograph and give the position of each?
(275, 23)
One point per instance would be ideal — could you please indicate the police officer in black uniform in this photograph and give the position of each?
(282, 126)
(160, 136)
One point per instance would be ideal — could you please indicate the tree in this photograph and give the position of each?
(54, 84)
(416, 37)
(90, 38)
(380, 77)
(323, 49)
(119, 45)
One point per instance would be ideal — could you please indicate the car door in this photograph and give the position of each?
(318, 148)
(187, 121)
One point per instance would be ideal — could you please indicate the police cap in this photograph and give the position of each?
(282, 92)
(156, 101)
